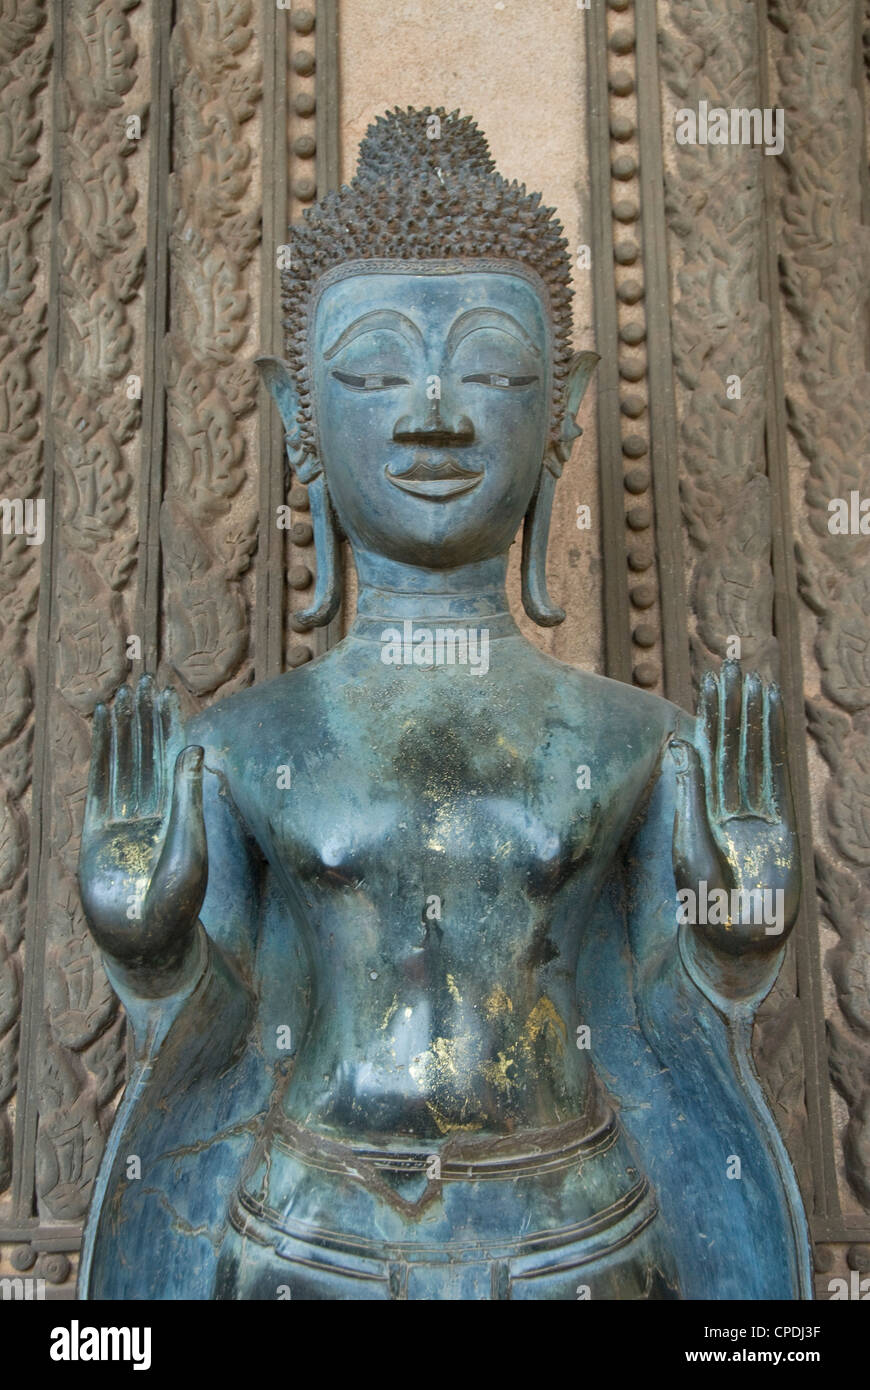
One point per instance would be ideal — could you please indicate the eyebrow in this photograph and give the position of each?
(473, 319)
(370, 322)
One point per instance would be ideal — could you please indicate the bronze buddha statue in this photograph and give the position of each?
(418, 1011)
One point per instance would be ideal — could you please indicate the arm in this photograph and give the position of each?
(673, 1013)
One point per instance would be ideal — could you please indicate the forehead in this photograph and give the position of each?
(432, 298)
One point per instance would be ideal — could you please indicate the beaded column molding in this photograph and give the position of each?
(314, 146)
(644, 598)
(300, 124)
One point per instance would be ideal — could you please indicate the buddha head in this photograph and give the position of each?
(430, 392)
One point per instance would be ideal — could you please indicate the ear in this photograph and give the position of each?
(536, 531)
(536, 534)
(277, 376)
(583, 364)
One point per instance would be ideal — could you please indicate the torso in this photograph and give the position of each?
(438, 859)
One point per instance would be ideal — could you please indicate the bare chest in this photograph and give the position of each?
(444, 815)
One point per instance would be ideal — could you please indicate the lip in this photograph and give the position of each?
(436, 481)
(436, 489)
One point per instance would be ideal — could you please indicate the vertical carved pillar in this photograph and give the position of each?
(208, 519)
(72, 1053)
(826, 284)
(24, 189)
(733, 477)
(715, 211)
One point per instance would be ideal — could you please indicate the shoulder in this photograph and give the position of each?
(247, 717)
(625, 713)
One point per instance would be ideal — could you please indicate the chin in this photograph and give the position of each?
(438, 555)
(448, 535)
(453, 546)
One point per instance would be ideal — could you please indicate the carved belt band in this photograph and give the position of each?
(530, 1154)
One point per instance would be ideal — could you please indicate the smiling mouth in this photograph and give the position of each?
(438, 482)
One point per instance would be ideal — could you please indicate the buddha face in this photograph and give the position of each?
(432, 391)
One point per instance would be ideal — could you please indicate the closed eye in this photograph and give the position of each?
(373, 382)
(497, 379)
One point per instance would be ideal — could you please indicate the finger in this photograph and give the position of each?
(97, 801)
(730, 710)
(695, 854)
(187, 787)
(169, 720)
(144, 739)
(752, 746)
(707, 734)
(122, 755)
(181, 873)
(777, 780)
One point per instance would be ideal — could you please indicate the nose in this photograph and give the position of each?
(433, 423)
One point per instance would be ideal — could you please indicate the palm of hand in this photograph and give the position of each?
(734, 827)
(143, 862)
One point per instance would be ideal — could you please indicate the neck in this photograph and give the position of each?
(391, 590)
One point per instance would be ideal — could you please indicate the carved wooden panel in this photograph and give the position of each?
(208, 520)
(24, 189)
(825, 266)
(717, 219)
(94, 419)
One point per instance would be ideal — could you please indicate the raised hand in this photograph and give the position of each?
(734, 826)
(143, 864)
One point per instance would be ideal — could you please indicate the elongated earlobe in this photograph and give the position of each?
(327, 590)
(536, 528)
(536, 534)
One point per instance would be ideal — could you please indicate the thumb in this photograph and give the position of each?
(695, 853)
(180, 876)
